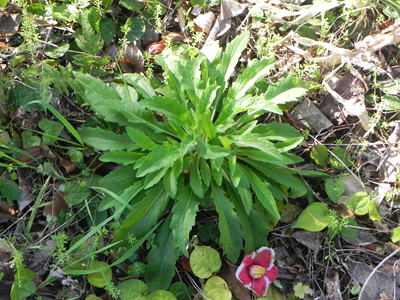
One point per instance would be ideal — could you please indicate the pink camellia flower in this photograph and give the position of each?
(257, 270)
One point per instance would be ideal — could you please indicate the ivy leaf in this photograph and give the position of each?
(231, 234)
(161, 267)
(183, 218)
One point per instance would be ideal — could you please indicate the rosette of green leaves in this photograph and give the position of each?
(197, 141)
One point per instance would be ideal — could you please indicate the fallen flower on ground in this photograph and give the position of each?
(257, 270)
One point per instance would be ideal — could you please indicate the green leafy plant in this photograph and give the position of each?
(195, 142)
(316, 217)
(23, 285)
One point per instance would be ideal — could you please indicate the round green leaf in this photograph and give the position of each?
(3, 3)
(29, 140)
(92, 297)
(215, 282)
(138, 29)
(107, 30)
(132, 4)
(56, 52)
(75, 193)
(334, 188)
(350, 233)
(132, 289)
(204, 261)
(219, 294)
(343, 155)
(36, 8)
(75, 155)
(161, 295)
(181, 291)
(96, 279)
(320, 155)
(396, 235)
(313, 218)
(27, 288)
(359, 203)
(374, 212)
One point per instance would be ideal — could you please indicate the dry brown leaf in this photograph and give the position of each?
(346, 99)
(231, 8)
(58, 203)
(204, 22)
(332, 283)
(238, 290)
(9, 23)
(133, 61)
(307, 116)
(343, 211)
(155, 48)
(174, 37)
(4, 206)
(68, 165)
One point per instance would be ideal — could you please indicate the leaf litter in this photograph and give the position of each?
(302, 258)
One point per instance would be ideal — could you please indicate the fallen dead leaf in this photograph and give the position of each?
(346, 99)
(68, 165)
(4, 206)
(308, 116)
(204, 22)
(231, 8)
(312, 240)
(133, 61)
(58, 203)
(379, 283)
(238, 290)
(343, 211)
(332, 283)
(9, 23)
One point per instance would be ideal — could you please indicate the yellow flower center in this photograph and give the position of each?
(256, 271)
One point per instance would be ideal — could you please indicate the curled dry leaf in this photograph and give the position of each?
(307, 116)
(343, 211)
(9, 23)
(132, 62)
(58, 203)
(4, 206)
(332, 283)
(204, 22)
(231, 8)
(155, 48)
(238, 290)
(174, 37)
(68, 165)
(352, 90)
